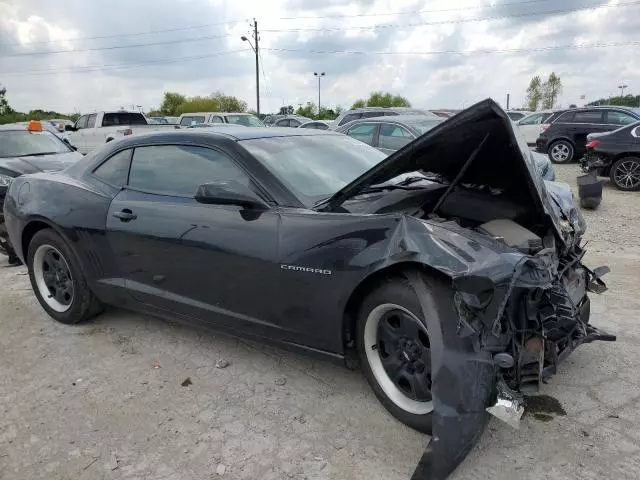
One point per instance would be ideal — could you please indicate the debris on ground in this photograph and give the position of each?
(114, 462)
(222, 363)
(543, 404)
(339, 444)
(221, 469)
(157, 365)
(187, 381)
(281, 380)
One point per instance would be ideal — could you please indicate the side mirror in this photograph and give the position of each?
(69, 128)
(229, 193)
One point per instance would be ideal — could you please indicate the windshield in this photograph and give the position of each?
(246, 120)
(314, 167)
(21, 143)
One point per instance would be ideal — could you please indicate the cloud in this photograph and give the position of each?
(196, 49)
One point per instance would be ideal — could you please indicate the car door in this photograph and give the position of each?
(617, 118)
(365, 132)
(585, 122)
(393, 137)
(92, 135)
(207, 263)
(77, 137)
(529, 126)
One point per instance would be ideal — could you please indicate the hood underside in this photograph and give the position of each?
(502, 160)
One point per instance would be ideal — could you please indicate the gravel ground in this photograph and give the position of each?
(106, 400)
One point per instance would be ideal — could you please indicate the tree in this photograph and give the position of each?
(551, 89)
(534, 93)
(288, 110)
(307, 111)
(171, 103)
(4, 103)
(626, 101)
(228, 103)
(380, 99)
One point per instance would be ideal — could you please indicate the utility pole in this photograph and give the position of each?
(622, 87)
(256, 50)
(319, 75)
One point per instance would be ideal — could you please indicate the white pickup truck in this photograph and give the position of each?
(95, 129)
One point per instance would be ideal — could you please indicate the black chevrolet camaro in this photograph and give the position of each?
(449, 269)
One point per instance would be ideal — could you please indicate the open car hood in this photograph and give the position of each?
(504, 162)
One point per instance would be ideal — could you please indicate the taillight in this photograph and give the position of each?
(544, 127)
(594, 144)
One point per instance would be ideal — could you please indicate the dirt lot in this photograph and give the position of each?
(105, 400)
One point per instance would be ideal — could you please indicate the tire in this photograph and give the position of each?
(52, 262)
(390, 305)
(625, 174)
(561, 151)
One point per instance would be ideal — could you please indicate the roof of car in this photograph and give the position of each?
(237, 133)
(13, 126)
(214, 113)
(400, 119)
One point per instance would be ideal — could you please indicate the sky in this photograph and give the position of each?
(81, 56)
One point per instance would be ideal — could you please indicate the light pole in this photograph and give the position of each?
(319, 75)
(622, 87)
(255, 50)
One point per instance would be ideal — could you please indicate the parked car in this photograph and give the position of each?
(244, 119)
(316, 124)
(531, 125)
(390, 133)
(565, 137)
(95, 129)
(269, 120)
(615, 155)
(291, 121)
(429, 265)
(370, 112)
(516, 115)
(59, 123)
(444, 113)
(28, 149)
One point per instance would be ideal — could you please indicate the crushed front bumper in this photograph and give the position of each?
(539, 326)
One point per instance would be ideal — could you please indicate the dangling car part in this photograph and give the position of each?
(450, 268)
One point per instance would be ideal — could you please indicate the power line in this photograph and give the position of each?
(461, 52)
(413, 12)
(466, 20)
(102, 67)
(117, 47)
(134, 34)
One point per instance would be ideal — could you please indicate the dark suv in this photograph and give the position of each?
(565, 136)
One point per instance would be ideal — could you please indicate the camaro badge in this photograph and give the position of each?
(306, 269)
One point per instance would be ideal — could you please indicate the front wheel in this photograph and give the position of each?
(625, 173)
(561, 151)
(395, 352)
(58, 281)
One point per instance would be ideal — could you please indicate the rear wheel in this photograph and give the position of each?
(561, 151)
(58, 281)
(395, 352)
(625, 173)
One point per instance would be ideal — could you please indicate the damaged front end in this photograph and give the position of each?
(511, 244)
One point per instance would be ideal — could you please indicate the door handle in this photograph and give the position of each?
(125, 215)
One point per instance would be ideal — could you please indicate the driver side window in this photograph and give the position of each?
(82, 122)
(179, 170)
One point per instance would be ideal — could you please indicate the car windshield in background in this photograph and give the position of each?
(21, 143)
(314, 166)
(246, 120)
(424, 125)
